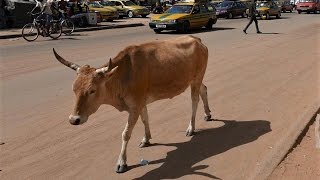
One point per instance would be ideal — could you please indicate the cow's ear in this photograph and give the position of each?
(110, 73)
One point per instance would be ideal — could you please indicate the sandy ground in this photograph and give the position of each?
(262, 90)
(303, 163)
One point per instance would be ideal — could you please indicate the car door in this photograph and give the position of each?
(242, 8)
(195, 19)
(273, 9)
(234, 9)
(237, 8)
(117, 4)
(204, 14)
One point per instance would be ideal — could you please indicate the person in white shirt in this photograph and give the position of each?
(46, 12)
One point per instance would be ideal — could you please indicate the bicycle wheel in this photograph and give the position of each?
(55, 30)
(30, 32)
(67, 26)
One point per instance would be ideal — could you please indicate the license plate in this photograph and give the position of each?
(161, 26)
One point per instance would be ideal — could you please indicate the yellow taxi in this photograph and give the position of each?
(132, 10)
(184, 16)
(121, 10)
(107, 13)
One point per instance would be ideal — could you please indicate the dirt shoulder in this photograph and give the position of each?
(302, 163)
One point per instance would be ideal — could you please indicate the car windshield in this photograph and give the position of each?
(224, 4)
(129, 3)
(263, 4)
(95, 5)
(106, 3)
(180, 9)
(307, 1)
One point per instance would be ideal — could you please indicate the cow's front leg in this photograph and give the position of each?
(195, 101)
(147, 135)
(126, 134)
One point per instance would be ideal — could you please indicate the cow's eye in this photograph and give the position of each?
(92, 91)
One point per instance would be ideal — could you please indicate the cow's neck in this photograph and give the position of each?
(114, 94)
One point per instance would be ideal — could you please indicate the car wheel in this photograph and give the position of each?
(157, 31)
(278, 15)
(299, 12)
(290, 10)
(185, 27)
(230, 16)
(244, 14)
(130, 14)
(267, 16)
(209, 24)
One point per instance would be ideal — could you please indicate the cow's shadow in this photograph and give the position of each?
(205, 144)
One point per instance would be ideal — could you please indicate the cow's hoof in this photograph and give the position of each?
(122, 168)
(144, 144)
(208, 118)
(190, 133)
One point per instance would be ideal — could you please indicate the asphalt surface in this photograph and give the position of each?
(263, 89)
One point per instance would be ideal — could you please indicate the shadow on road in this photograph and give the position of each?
(205, 144)
(274, 18)
(197, 31)
(269, 33)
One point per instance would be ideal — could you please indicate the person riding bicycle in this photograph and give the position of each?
(62, 5)
(46, 12)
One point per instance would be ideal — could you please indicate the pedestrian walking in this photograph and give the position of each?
(252, 14)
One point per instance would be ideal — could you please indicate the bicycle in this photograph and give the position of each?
(67, 24)
(31, 31)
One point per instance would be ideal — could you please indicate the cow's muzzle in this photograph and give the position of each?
(75, 120)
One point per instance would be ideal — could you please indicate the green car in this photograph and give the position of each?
(131, 9)
(121, 10)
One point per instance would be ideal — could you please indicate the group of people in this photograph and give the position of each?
(47, 9)
(6, 11)
(160, 8)
(51, 8)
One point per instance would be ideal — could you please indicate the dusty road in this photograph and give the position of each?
(261, 88)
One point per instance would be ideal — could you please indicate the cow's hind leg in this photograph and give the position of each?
(204, 97)
(122, 161)
(195, 88)
(147, 135)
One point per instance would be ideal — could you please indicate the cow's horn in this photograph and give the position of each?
(105, 69)
(65, 62)
(102, 70)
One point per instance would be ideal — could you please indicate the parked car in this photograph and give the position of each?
(265, 9)
(121, 10)
(184, 16)
(286, 6)
(230, 9)
(106, 13)
(308, 6)
(132, 10)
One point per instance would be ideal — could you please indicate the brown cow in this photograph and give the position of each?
(137, 76)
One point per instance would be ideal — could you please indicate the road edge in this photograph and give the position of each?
(95, 28)
(284, 145)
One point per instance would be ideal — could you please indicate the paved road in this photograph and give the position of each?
(262, 88)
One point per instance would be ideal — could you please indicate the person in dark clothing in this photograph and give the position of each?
(62, 5)
(252, 14)
(158, 9)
